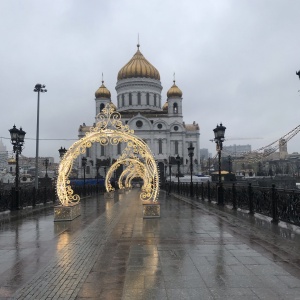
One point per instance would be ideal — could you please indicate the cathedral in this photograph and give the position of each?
(157, 121)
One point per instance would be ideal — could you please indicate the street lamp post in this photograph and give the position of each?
(178, 170)
(46, 164)
(170, 173)
(62, 152)
(219, 132)
(17, 139)
(83, 164)
(165, 179)
(39, 88)
(98, 164)
(191, 154)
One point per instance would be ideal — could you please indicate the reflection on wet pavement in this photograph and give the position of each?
(111, 252)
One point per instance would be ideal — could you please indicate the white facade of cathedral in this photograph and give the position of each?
(157, 121)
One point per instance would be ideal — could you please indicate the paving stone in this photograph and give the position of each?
(188, 253)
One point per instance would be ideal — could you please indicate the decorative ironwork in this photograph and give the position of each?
(278, 204)
(109, 130)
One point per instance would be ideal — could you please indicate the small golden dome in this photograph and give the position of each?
(102, 92)
(174, 91)
(165, 107)
(12, 161)
(138, 66)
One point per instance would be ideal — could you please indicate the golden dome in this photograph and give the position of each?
(165, 107)
(102, 92)
(138, 66)
(12, 161)
(174, 91)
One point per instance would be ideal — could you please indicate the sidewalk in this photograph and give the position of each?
(111, 252)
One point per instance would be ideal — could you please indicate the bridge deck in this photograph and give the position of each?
(110, 252)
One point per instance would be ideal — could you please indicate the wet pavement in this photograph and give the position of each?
(194, 251)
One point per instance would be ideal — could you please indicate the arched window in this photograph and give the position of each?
(148, 98)
(139, 98)
(101, 106)
(175, 108)
(176, 147)
(119, 148)
(130, 99)
(159, 146)
(88, 169)
(155, 100)
(102, 150)
(88, 152)
(123, 100)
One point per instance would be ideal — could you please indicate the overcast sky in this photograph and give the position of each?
(235, 62)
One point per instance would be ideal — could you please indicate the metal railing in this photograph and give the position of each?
(278, 204)
(30, 197)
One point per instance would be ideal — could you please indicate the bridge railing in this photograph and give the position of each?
(278, 204)
(30, 197)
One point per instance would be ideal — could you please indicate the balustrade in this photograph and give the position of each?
(30, 197)
(278, 204)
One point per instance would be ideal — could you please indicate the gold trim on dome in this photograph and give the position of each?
(138, 66)
(102, 92)
(174, 91)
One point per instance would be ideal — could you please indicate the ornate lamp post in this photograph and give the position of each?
(170, 168)
(170, 173)
(98, 164)
(62, 152)
(165, 172)
(191, 154)
(46, 164)
(39, 88)
(178, 171)
(83, 164)
(17, 139)
(219, 132)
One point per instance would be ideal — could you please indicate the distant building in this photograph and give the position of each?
(204, 154)
(156, 120)
(236, 150)
(3, 156)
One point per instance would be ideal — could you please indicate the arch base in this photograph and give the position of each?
(66, 213)
(151, 210)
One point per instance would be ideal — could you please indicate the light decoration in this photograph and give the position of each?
(134, 168)
(137, 157)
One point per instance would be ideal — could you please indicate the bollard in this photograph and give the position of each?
(13, 202)
(208, 191)
(234, 204)
(35, 191)
(196, 191)
(275, 218)
(45, 196)
(202, 191)
(250, 197)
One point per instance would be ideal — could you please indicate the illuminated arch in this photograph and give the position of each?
(133, 166)
(109, 130)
